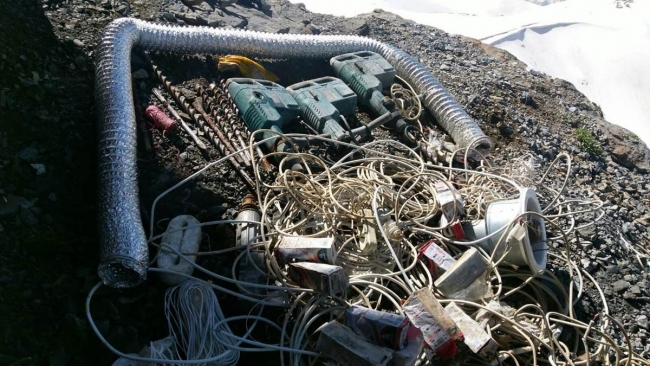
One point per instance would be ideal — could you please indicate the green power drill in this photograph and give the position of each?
(367, 73)
(265, 105)
(324, 101)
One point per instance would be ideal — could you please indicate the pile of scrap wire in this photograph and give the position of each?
(384, 255)
(381, 259)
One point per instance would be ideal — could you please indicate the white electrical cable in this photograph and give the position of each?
(192, 311)
(395, 195)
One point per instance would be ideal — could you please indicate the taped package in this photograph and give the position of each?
(470, 266)
(474, 336)
(379, 327)
(320, 277)
(439, 330)
(437, 259)
(304, 249)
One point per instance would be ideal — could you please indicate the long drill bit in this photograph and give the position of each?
(228, 106)
(214, 130)
(199, 120)
(218, 114)
(231, 111)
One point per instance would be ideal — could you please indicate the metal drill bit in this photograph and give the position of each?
(208, 119)
(232, 113)
(178, 119)
(199, 120)
(216, 113)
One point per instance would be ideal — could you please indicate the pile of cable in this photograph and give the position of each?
(383, 258)
(198, 334)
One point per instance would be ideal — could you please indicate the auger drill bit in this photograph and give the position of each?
(217, 114)
(202, 123)
(230, 109)
(232, 113)
(198, 106)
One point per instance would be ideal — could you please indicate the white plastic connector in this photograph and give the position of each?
(517, 236)
(368, 243)
(184, 235)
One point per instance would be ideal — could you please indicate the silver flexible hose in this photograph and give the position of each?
(123, 246)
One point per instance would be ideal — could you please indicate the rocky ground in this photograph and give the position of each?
(48, 240)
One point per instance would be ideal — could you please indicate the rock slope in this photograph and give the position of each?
(47, 158)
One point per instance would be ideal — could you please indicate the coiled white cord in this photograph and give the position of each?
(193, 312)
(331, 202)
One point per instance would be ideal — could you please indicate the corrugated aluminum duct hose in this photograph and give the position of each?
(124, 252)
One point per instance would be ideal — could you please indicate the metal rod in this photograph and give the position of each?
(232, 115)
(180, 120)
(196, 117)
(208, 120)
(215, 113)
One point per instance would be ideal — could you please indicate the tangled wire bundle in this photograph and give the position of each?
(531, 317)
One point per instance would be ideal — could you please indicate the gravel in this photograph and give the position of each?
(51, 123)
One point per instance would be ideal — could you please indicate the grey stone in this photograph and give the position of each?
(310, 29)
(445, 67)
(356, 26)
(612, 269)
(214, 23)
(12, 204)
(122, 9)
(254, 20)
(642, 321)
(588, 265)
(627, 227)
(608, 292)
(638, 345)
(169, 17)
(526, 98)
(140, 74)
(629, 296)
(28, 154)
(39, 168)
(506, 130)
(79, 43)
(192, 18)
(631, 157)
(586, 245)
(620, 285)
